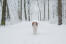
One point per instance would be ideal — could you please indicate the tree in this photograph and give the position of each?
(20, 9)
(29, 10)
(3, 12)
(48, 9)
(8, 15)
(1, 2)
(25, 9)
(44, 9)
(59, 12)
(39, 10)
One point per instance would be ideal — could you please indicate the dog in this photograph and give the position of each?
(35, 25)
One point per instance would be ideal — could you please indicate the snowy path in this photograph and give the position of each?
(22, 34)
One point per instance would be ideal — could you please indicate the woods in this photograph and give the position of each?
(28, 10)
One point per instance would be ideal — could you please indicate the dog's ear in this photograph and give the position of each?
(32, 23)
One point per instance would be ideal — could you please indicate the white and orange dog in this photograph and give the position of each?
(34, 25)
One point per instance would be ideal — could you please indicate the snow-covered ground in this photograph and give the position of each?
(22, 33)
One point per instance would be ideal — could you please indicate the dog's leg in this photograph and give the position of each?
(35, 30)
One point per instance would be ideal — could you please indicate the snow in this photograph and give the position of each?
(22, 33)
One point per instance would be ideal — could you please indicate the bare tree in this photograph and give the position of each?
(29, 10)
(25, 9)
(8, 15)
(20, 9)
(59, 12)
(1, 2)
(3, 12)
(53, 13)
(39, 9)
(44, 9)
(48, 9)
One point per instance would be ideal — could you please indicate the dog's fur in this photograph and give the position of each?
(34, 25)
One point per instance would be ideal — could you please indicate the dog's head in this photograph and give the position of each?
(34, 23)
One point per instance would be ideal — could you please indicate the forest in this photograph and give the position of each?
(13, 11)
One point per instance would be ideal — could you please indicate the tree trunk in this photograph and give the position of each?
(29, 10)
(39, 9)
(3, 12)
(1, 2)
(59, 12)
(25, 9)
(20, 9)
(44, 9)
(8, 15)
(48, 9)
